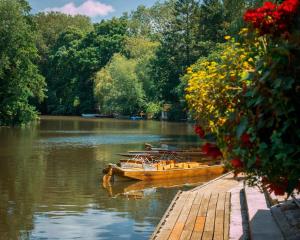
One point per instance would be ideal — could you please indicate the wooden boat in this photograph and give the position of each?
(168, 170)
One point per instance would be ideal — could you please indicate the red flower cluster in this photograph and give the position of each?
(199, 131)
(272, 18)
(279, 188)
(211, 150)
(237, 163)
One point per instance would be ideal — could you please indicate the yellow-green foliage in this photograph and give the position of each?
(214, 84)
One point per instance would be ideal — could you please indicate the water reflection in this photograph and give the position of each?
(50, 179)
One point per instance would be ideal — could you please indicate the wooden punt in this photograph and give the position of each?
(180, 170)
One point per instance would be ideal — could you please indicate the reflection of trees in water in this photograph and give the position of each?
(21, 180)
(70, 177)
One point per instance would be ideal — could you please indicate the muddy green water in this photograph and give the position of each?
(50, 179)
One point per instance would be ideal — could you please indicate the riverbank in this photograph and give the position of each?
(225, 208)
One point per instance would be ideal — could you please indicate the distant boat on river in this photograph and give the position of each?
(91, 115)
(136, 118)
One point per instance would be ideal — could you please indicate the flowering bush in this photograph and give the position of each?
(249, 97)
(214, 84)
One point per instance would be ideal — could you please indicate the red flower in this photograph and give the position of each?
(269, 6)
(289, 6)
(215, 153)
(271, 18)
(237, 163)
(245, 139)
(211, 150)
(279, 188)
(199, 131)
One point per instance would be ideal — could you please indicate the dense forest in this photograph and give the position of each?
(52, 63)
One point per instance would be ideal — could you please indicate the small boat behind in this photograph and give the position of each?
(136, 118)
(90, 115)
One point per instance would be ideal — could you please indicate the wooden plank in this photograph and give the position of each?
(201, 218)
(207, 235)
(218, 236)
(176, 232)
(196, 236)
(185, 235)
(176, 210)
(179, 225)
(199, 224)
(190, 223)
(198, 198)
(210, 218)
(219, 219)
(204, 205)
(227, 216)
(191, 220)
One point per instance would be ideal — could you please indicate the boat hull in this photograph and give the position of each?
(150, 175)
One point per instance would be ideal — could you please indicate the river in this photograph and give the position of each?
(50, 179)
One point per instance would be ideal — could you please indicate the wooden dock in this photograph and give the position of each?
(201, 213)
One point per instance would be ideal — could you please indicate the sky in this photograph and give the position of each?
(95, 9)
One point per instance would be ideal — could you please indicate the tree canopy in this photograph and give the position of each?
(20, 80)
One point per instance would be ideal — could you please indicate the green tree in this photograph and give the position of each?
(96, 50)
(19, 76)
(74, 60)
(62, 73)
(151, 22)
(117, 87)
(51, 25)
(143, 51)
(213, 25)
(178, 49)
(125, 84)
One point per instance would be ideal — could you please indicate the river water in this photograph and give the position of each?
(50, 179)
